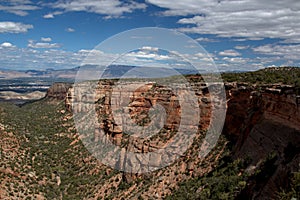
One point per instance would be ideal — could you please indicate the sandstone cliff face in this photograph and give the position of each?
(58, 91)
(264, 122)
(274, 102)
(154, 116)
(260, 122)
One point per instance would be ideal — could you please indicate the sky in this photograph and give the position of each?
(238, 35)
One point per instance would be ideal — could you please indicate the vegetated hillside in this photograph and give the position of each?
(280, 75)
(257, 156)
(40, 154)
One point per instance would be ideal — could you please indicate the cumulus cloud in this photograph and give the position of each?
(39, 58)
(94, 57)
(250, 19)
(147, 55)
(204, 39)
(7, 45)
(28, 58)
(17, 7)
(47, 39)
(184, 7)
(289, 52)
(48, 16)
(229, 52)
(241, 47)
(108, 8)
(238, 60)
(14, 27)
(148, 48)
(51, 15)
(246, 39)
(70, 30)
(43, 45)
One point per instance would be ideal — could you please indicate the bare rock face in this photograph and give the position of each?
(247, 105)
(58, 91)
(149, 105)
(259, 121)
(264, 123)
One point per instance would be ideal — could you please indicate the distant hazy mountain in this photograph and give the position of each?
(48, 73)
(113, 71)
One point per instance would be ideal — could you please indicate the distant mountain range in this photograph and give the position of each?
(48, 73)
(113, 71)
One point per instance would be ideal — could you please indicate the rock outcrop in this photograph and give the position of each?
(58, 91)
(142, 118)
(262, 123)
(265, 121)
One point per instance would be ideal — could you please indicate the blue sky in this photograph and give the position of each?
(237, 34)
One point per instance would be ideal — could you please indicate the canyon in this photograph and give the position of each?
(56, 156)
(260, 121)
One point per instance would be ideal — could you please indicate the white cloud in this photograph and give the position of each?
(108, 8)
(238, 60)
(183, 7)
(292, 40)
(70, 30)
(287, 52)
(229, 52)
(27, 58)
(47, 39)
(243, 64)
(51, 15)
(17, 7)
(254, 19)
(145, 56)
(204, 55)
(42, 45)
(241, 47)
(37, 58)
(148, 55)
(246, 39)
(7, 45)
(203, 39)
(148, 48)
(14, 27)
(94, 57)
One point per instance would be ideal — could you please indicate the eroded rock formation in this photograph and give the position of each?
(261, 122)
(58, 91)
(142, 118)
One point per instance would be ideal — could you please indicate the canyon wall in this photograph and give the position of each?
(153, 117)
(262, 123)
(58, 91)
